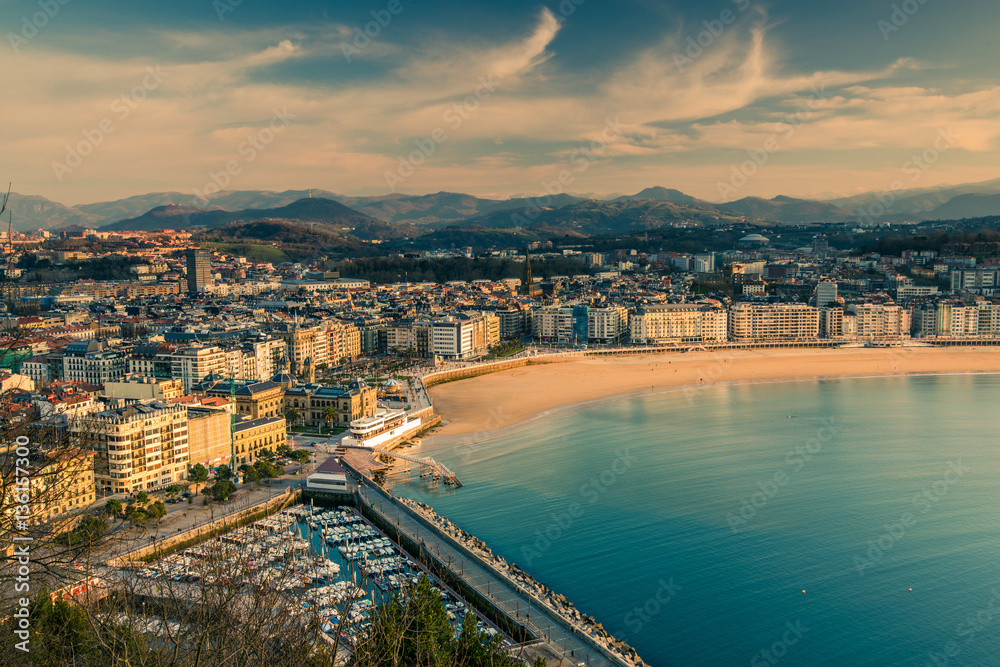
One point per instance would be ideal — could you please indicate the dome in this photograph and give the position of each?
(357, 384)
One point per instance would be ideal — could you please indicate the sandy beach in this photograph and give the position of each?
(487, 403)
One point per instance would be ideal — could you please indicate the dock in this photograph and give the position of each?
(438, 470)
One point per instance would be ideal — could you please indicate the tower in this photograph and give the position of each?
(199, 269)
(527, 283)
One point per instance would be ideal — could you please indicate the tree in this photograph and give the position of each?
(293, 414)
(113, 507)
(284, 450)
(223, 472)
(222, 490)
(157, 511)
(265, 454)
(249, 473)
(330, 414)
(268, 470)
(173, 490)
(141, 498)
(301, 455)
(198, 473)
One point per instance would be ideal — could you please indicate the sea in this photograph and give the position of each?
(821, 522)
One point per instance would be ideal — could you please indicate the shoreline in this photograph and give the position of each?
(484, 407)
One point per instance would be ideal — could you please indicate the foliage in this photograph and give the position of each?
(301, 455)
(223, 472)
(414, 630)
(222, 489)
(173, 490)
(86, 533)
(141, 498)
(198, 473)
(113, 507)
(249, 473)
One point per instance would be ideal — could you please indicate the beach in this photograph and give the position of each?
(487, 403)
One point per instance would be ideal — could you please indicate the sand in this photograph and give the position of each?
(487, 403)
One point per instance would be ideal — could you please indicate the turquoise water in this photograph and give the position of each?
(865, 488)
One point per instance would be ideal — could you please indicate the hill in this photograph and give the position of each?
(786, 209)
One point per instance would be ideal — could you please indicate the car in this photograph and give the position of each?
(187, 494)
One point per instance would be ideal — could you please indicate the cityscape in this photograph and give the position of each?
(489, 335)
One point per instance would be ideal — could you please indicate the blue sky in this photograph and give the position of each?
(115, 98)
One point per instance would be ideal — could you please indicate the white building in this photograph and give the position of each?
(678, 322)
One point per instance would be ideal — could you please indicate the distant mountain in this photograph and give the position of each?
(593, 217)
(441, 208)
(966, 206)
(917, 203)
(319, 237)
(171, 217)
(190, 217)
(30, 212)
(668, 195)
(786, 209)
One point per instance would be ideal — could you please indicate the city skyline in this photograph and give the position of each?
(579, 96)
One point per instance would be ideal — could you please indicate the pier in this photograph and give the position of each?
(439, 470)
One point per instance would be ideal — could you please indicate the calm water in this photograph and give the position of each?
(632, 508)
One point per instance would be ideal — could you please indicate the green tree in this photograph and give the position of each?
(293, 414)
(157, 511)
(249, 473)
(113, 507)
(198, 473)
(141, 498)
(173, 490)
(265, 454)
(223, 489)
(284, 450)
(301, 455)
(223, 472)
(330, 414)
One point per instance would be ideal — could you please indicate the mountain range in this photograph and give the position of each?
(397, 216)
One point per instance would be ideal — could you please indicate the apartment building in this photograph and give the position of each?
(678, 322)
(88, 361)
(880, 321)
(608, 324)
(464, 335)
(139, 446)
(760, 322)
(193, 364)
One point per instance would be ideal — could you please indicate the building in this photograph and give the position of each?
(464, 335)
(61, 483)
(330, 477)
(88, 361)
(678, 322)
(252, 435)
(139, 387)
(199, 269)
(193, 364)
(880, 321)
(321, 405)
(562, 324)
(979, 280)
(607, 325)
(760, 322)
(139, 446)
(210, 436)
(826, 293)
(252, 399)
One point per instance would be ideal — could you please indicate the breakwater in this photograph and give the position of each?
(555, 602)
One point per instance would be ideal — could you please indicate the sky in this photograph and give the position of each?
(720, 99)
